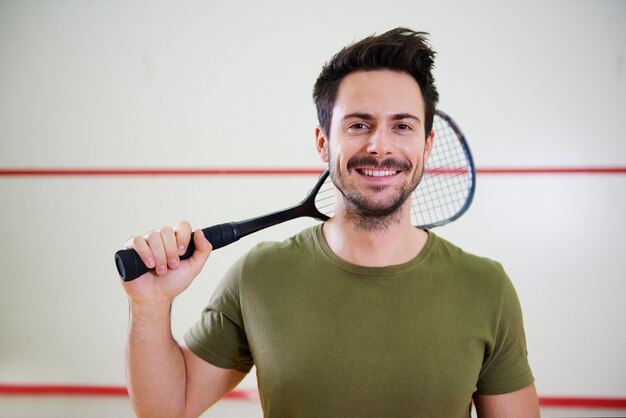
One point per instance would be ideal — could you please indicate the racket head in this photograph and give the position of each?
(447, 187)
(449, 181)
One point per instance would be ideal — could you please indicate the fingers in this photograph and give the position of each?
(161, 249)
(158, 253)
(201, 253)
(140, 245)
(183, 236)
(170, 247)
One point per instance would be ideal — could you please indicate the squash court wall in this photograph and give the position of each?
(142, 85)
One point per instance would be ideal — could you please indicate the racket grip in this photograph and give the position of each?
(129, 264)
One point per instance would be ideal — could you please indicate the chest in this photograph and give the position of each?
(366, 345)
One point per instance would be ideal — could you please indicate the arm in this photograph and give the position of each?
(165, 378)
(522, 403)
(206, 383)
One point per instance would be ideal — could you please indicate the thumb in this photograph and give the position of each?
(201, 253)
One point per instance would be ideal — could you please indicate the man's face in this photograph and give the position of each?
(377, 147)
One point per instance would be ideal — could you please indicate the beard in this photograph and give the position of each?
(373, 214)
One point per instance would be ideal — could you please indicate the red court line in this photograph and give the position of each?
(593, 403)
(253, 395)
(554, 170)
(45, 172)
(61, 390)
(29, 172)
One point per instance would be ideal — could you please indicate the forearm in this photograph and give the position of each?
(155, 366)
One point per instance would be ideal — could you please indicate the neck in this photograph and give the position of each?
(374, 242)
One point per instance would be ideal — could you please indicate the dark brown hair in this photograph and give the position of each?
(399, 49)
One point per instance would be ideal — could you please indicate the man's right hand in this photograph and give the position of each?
(166, 379)
(160, 250)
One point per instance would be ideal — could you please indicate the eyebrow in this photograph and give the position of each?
(367, 116)
(400, 116)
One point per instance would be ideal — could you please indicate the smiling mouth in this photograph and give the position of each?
(369, 166)
(376, 173)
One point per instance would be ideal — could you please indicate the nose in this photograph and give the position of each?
(379, 143)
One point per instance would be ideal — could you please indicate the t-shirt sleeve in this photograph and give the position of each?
(219, 336)
(505, 366)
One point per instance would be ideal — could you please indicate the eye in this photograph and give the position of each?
(357, 126)
(404, 127)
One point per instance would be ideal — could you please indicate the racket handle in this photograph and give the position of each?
(130, 266)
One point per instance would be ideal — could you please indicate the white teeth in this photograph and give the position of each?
(378, 173)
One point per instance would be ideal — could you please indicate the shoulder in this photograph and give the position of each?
(476, 274)
(264, 263)
(302, 241)
(273, 255)
(455, 256)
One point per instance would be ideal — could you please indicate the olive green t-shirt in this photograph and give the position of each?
(333, 339)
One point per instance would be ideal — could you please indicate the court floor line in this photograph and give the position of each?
(252, 394)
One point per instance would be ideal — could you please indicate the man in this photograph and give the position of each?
(363, 316)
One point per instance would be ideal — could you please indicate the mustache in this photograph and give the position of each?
(367, 161)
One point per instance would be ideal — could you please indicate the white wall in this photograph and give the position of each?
(227, 84)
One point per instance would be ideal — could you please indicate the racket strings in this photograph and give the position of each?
(325, 198)
(447, 180)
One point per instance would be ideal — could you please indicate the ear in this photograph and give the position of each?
(322, 144)
(428, 145)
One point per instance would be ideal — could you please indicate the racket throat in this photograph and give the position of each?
(253, 225)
